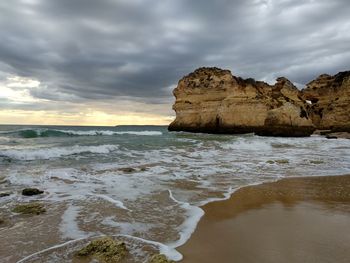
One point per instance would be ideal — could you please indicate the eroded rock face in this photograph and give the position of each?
(213, 100)
(330, 98)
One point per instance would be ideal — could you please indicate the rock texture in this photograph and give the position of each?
(212, 100)
(160, 259)
(330, 97)
(29, 209)
(104, 250)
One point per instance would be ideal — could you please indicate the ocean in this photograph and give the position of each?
(141, 184)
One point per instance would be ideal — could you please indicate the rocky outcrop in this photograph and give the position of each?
(212, 100)
(104, 250)
(330, 101)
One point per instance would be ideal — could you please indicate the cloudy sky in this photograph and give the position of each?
(110, 62)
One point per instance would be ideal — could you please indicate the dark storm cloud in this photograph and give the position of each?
(82, 50)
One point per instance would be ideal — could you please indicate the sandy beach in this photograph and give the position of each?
(291, 220)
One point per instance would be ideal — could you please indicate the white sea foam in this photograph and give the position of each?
(12, 131)
(41, 131)
(168, 251)
(55, 152)
(69, 227)
(49, 249)
(226, 196)
(109, 132)
(4, 139)
(128, 228)
(117, 203)
(87, 133)
(128, 186)
(150, 133)
(196, 175)
(251, 144)
(194, 214)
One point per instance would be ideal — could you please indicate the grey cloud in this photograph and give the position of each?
(86, 50)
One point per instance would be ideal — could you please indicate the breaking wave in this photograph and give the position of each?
(35, 133)
(55, 152)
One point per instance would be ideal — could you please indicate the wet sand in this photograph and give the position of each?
(291, 220)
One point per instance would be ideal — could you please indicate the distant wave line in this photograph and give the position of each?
(34, 133)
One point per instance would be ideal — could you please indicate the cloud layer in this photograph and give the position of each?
(126, 53)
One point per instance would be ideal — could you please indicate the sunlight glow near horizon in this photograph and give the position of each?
(16, 91)
(95, 118)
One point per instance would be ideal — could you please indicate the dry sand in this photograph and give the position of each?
(292, 220)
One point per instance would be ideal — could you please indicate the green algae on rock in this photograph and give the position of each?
(31, 191)
(105, 249)
(160, 258)
(30, 209)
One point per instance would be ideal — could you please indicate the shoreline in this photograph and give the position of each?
(306, 199)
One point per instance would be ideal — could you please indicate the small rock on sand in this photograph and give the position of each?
(3, 194)
(31, 191)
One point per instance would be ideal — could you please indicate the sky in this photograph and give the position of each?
(113, 62)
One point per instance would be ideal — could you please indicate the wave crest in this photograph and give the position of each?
(55, 152)
(35, 133)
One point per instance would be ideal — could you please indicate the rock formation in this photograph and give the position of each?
(104, 250)
(212, 100)
(330, 98)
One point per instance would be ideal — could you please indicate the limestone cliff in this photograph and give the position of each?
(330, 98)
(213, 100)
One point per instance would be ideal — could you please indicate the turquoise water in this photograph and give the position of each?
(141, 182)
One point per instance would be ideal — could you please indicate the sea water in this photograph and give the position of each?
(140, 184)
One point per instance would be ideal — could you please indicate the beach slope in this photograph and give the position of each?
(291, 220)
